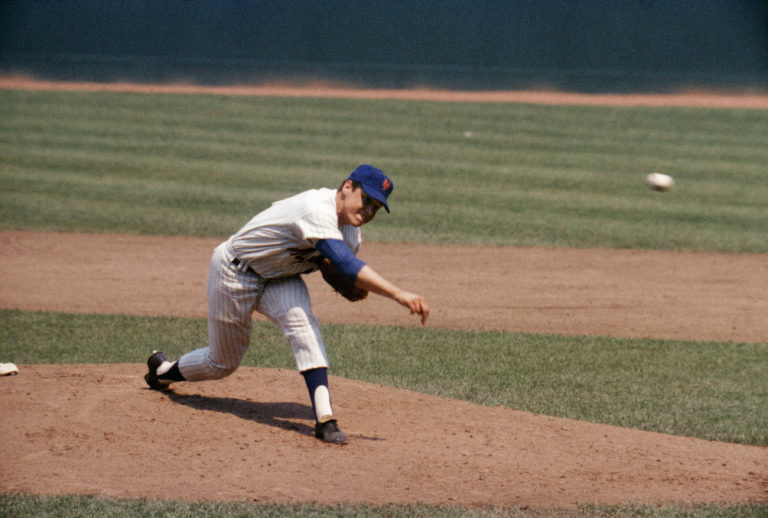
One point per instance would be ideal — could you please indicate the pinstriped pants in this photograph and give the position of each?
(233, 294)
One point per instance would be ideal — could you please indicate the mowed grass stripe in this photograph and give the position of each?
(499, 174)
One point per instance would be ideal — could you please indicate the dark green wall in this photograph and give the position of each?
(574, 44)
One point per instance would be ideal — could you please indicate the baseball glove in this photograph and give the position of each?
(342, 285)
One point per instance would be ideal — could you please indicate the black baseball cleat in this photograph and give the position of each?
(154, 362)
(329, 431)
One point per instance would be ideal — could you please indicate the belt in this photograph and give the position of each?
(236, 261)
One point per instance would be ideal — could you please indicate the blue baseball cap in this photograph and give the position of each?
(375, 183)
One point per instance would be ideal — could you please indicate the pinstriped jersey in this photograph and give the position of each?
(280, 241)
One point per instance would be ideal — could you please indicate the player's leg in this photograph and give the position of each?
(286, 302)
(232, 295)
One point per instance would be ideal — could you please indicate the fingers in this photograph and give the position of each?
(424, 315)
(415, 303)
(420, 307)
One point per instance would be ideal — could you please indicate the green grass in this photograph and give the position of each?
(22, 506)
(528, 175)
(710, 390)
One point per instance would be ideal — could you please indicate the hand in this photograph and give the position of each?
(368, 279)
(416, 303)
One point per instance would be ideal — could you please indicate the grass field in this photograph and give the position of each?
(13, 506)
(527, 175)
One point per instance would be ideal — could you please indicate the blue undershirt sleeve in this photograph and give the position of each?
(341, 257)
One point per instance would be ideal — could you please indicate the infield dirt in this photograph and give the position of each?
(97, 429)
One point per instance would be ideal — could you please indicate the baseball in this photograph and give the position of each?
(659, 181)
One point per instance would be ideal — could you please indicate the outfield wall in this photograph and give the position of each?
(581, 45)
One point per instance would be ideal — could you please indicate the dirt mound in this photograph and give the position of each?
(97, 430)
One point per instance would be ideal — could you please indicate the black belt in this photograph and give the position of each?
(236, 261)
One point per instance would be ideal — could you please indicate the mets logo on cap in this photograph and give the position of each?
(375, 183)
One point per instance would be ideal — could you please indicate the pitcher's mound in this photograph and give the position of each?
(97, 429)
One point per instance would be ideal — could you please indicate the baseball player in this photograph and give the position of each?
(259, 268)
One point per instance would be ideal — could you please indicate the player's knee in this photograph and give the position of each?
(222, 372)
(294, 320)
(218, 370)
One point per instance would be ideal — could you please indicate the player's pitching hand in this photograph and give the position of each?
(416, 303)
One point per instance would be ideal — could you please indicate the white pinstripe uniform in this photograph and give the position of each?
(273, 250)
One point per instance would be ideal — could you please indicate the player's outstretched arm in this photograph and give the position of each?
(370, 280)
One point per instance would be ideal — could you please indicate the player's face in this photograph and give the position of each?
(357, 207)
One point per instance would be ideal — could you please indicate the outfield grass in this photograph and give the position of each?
(709, 390)
(528, 175)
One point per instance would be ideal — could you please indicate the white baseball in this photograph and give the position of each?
(659, 181)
